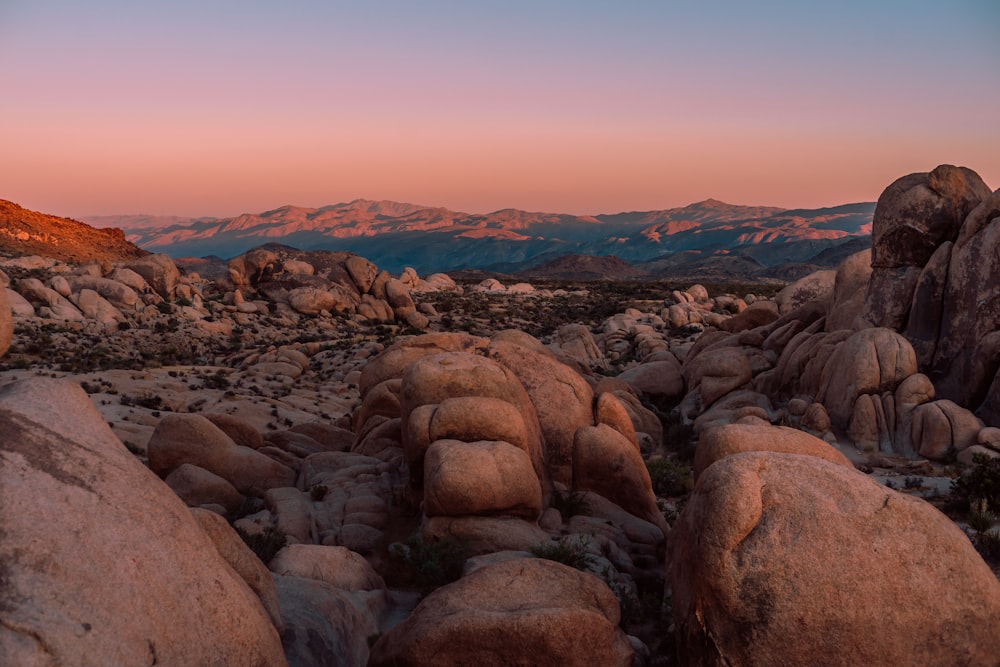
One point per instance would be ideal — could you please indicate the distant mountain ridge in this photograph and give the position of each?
(395, 235)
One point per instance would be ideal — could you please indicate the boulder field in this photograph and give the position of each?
(338, 475)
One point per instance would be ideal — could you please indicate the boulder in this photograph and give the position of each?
(607, 463)
(311, 300)
(362, 272)
(942, 428)
(239, 431)
(970, 314)
(326, 625)
(141, 584)
(393, 361)
(197, 487)
(871, 361)
(716, 373)
(486, 477)
(6, 322)
(849, 288)
(816, 286)
(190, 438)
(159, 272)
(516, 612)
(337, 566)
(19, 306)
(244, 562)
(757, 314)
(919, 212)
(661, 379)
(576, 341)
(789, 559)
(562, 399)
(718, 443)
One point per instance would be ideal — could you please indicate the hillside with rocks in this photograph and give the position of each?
(429, 239)
(297, 457)
(24, 232)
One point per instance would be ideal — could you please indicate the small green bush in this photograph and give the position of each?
(670, 479)
(982, 482)
(265, 544)
(980, 517)
(565, 551)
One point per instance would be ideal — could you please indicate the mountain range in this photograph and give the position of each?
(394, 235)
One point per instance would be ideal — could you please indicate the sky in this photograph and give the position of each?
(219, 107)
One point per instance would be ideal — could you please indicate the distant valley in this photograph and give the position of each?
(706, 240)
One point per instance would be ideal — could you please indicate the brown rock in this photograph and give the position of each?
(970, 314)
(240, 432)
(159, 272)
(190, 438)
(917, 213)
(941, 428)
(606, 463)
(871, 361)
(563, 400)
(757, 314)
(337, 566)
(6, 322)
(661, 379)
(716, 373)
(485, 534)
(718, 443)
(816, 286)
(326, 625)
(362, 272)
(197, 486)
(468, 478)
(778, 546)
(849, 288)
(516, 612)
(122, 590)
(612, 412)
(393, 361)
(244, 562)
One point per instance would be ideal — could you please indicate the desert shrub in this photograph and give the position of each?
(318, 492)
(217, 380)
(265, 544)
(565, 551)
(670, 478)
(981, 482)
(144, 400)
(569, 504)
(428, 565)
(980, 517)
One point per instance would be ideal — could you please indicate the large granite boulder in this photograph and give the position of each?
(101, 563)
(783, 559)
(518, 612)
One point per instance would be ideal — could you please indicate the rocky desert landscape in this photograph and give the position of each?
(297, 458)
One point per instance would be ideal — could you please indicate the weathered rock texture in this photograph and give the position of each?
(520, 612)
(789, 559)
(101, 563)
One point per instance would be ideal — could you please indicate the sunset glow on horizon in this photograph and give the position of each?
(216, 109)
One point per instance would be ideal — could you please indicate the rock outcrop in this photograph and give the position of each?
(782, 558)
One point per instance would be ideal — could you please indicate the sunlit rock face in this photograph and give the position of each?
(102, 563)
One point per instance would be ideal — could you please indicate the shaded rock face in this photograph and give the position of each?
(934, 265)
(788, 559)
(520, 612)
(101, 562)
(6, 322)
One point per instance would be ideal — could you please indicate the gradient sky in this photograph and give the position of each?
(218, 107)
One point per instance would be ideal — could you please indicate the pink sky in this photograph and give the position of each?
(576, 107)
